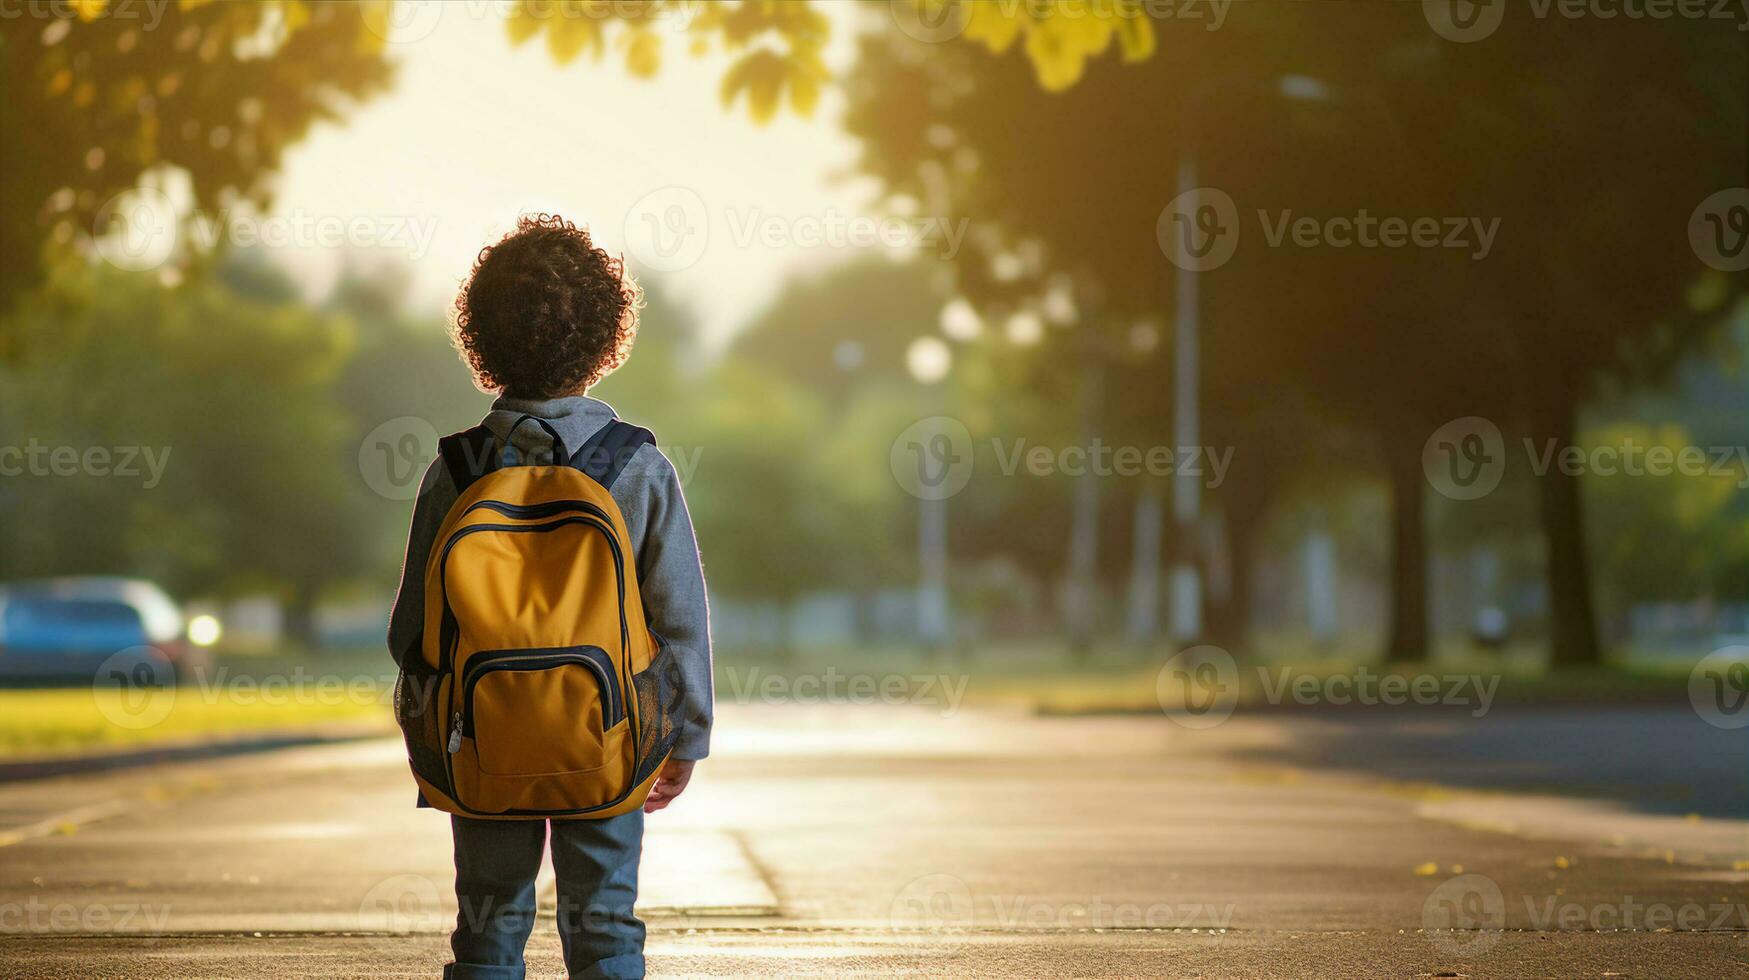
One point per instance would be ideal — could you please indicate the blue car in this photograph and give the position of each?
(69, 628)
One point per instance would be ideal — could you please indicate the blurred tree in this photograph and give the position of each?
(758, 439)
(776, 45)
(1674, 533)
(226, 465)
(99, 95)
(1394, 341)
(1595, 277)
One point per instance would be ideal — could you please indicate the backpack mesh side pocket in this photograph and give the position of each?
(660, 691)
(422, 722)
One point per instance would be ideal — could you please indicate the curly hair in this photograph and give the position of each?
(545, 312)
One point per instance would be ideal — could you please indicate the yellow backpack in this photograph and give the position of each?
(538, 690)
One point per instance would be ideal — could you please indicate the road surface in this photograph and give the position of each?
(869, 840)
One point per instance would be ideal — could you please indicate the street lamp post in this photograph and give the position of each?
(928, 361)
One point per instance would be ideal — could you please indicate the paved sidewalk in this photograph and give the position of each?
(847, 840)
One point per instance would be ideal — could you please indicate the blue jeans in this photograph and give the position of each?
(596, 862)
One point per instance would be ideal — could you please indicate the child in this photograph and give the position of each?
(544, 315)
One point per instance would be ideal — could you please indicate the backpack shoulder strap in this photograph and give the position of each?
(468, 456)
(605, 455)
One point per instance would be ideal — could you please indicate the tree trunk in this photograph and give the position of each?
(1572, 623)
(1407, 640)
(1146, 529)
(1083, 577)
(1229, 621)
(299, 617)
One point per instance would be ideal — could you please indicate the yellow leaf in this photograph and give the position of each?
(1427, 870)
(568, 36)
(1561, 862)
(804, 93)
(88, 10)
(522, 23)
(297, 16)
(1056, 65)
(643, 52)
(761, 75)
(995, 24)
(1135, 37)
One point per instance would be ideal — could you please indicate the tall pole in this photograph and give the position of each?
(1186, 432)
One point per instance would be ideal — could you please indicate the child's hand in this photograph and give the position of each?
(675, 775)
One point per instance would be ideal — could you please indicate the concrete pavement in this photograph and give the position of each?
(834, 840)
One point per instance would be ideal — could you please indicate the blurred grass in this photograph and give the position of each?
(1044, 679)
(290, 691)
(281, 694)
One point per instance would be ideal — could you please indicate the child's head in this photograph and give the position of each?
(545, 313)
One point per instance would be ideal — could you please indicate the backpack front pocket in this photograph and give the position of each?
(542, 712)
